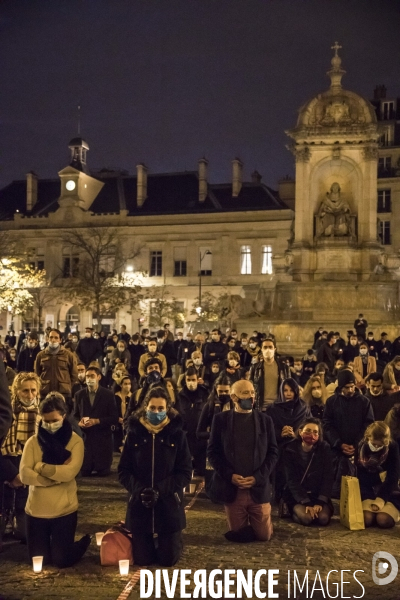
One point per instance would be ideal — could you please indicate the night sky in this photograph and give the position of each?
(167, 81)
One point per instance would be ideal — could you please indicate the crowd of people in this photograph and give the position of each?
(257, 425)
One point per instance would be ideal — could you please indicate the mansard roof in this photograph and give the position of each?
(170, 193)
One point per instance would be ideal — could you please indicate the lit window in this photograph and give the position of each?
(245, 260)
(266, 260)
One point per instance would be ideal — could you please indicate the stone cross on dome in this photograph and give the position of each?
(336, 47)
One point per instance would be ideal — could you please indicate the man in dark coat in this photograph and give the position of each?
(96, 412)
(267, 375)
(326, 353)
(215, 350)
(189, 404)
(360, 325)
(89, 349)
(5, 423)
(136, 349)
(347, 415)
(352, 349)
(384, 348)
(27, 356)
(185, 351)
(381, 401)
(243, 452)
(166, 347)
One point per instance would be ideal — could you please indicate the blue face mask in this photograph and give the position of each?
(153, 377)
(155, 418)
(245, 403)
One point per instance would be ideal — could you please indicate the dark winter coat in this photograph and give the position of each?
(326, 354)
(98, 439)
(350, 352)
(26, 359)
(89, 350)
(382, 404)
(257, 377)
(317, 483)
(190, 405)
(7, 472)
(220, 453)
(185, 351)
(215, 351)
(210, 409)
(168, 451)
(136, 351)
(371, 485)
(346, 419)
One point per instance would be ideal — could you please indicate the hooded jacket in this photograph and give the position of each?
(291, 413)
(161, 461)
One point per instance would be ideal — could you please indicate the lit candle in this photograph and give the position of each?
(99, 537)
(124, 567)
(37, 563)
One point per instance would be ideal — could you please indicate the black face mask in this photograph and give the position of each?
(224, 398)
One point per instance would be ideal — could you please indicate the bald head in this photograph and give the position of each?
(242, 387)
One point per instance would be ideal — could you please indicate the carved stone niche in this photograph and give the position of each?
(370, 153)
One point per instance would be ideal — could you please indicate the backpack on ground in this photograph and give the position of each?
(116, 545)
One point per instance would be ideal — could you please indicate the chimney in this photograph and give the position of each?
(203, 188)
(379, 92)
(141, 184)
(31, 190)
(256, 177)
(237, 174)
(287, 191)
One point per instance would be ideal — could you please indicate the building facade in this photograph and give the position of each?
(322, 248)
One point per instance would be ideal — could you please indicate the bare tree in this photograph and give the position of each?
(99, 280)
(164, 307)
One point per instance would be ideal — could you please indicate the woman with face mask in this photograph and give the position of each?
(51, 460)
(155, 467)
(377, 454)
(315, 396)
(233, 369)
(364, 365)
(25, 394)
(122, 398)
(308, 471)
(120, 354)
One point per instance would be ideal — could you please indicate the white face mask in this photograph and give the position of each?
(232, 363)
(88, 334)
(373, 449)
(191, 385)
(91, 382)
(268, 352)
(52, 427)
(316, 393)
(252, 346)
(81, 376)
(363, 351)
(120, 348)
(152, 349)
(197, 361)
(54, 345)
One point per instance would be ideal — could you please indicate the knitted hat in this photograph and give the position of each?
(345, 377)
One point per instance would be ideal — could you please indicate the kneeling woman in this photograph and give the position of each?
(50, 462)
(155, 466)
(377, 454)
(308, 471)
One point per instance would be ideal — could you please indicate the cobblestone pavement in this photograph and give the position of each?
(102, 502)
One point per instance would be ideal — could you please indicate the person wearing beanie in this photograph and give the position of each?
(347, 415)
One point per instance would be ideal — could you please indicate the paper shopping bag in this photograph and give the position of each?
(351, 511)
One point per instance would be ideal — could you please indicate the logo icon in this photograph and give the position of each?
(382, 568)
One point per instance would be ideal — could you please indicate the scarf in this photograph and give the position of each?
(253, 351)
(154, 428)
(25, 419)
(124, 402)
(53, 444)
(371, 461)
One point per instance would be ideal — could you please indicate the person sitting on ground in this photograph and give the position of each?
(307, 463)
(315, 396)
(391, 375)
(243, 452)
(155, 474)
(378, 454)
(381, 400)
(364, 365)
(51, 460)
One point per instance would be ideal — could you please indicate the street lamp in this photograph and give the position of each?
(206, 253)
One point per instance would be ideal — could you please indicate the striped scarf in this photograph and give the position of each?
(24, 426)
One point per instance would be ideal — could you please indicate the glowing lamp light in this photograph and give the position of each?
(124, 567)
(99, 537)
(129, 269)
(198, 310)
(37, 563)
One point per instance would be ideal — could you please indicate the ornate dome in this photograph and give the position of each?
(336, 110)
